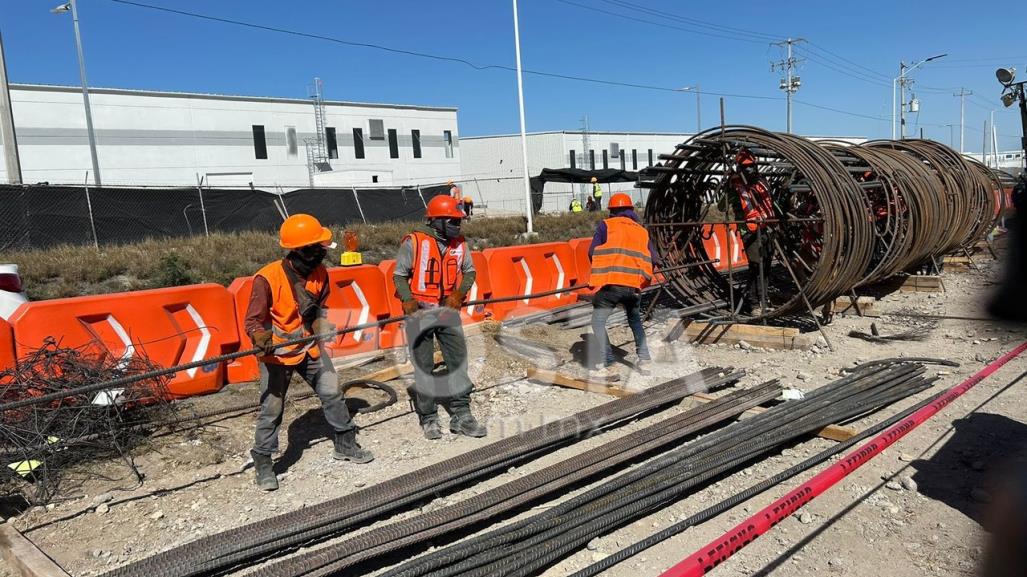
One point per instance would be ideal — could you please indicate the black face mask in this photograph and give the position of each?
(307, 258)
(447, 228)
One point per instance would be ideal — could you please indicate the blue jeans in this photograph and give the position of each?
(604, 302)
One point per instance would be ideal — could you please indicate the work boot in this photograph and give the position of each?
(348, 449)
(644, 366)
(466, 424)
(430, 426)
(265, 473)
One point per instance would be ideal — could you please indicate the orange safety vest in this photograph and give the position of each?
(624, 258)
(757, 206)
(434, 276)
(286, 322)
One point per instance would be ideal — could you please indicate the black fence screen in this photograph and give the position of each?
(36, 216)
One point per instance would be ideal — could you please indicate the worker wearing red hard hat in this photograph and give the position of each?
(622, 257)
(288, 302)
(434, 271)
(753, 201)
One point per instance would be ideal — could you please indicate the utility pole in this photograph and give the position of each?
(790, 83)
(11, 160)
(529, 209)
(984, 145)
(962, 94)
(73, 8)
(903, 81)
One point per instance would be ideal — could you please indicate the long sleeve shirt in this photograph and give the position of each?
(599, 238)
(405, 263)
(258, 311)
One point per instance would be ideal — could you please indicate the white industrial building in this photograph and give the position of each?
(150, 138)
(493, 164)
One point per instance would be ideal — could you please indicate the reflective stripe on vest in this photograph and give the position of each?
(624, 258)
(286, 323)
(434, 276)
(757, 206)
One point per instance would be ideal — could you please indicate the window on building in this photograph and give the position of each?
(374, 179)
(621, 159)
(614, 149)
(393, 144)
(573, 164)
(634, 159)
(650, 157)
(415, 141)
(331, 142)
(591, 159)
(291, 146)
(377, 127)
(259, 144)
(606, 160)
(358, 142)
(447, 135)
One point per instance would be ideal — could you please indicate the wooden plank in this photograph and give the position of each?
(396, 371)
(922, 284)
(864, 305)
(562, 380)
(832, 432)
(24, 558)
(755, 335)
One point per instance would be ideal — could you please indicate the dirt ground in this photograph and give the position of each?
(916, 509)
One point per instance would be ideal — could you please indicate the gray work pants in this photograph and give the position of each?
(274, 383)
(452, 390)
(604, 302)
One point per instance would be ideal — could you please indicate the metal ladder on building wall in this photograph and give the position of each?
(317, 148)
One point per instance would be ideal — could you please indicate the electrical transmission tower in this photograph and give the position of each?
(790, 83)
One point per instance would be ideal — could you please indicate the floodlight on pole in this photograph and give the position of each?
(71, 7)
(1012, 92)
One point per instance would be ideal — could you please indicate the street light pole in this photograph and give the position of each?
(85, 86)
(903, 70)
(524, 137)
(698, 106)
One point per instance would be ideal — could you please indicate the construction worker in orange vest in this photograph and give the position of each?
(753, 201)
(622, 263)
(288, 302)
(434, 271)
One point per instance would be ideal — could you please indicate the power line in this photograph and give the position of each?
(851, 74)
(871, 72)
(660, 24)
(760, 36)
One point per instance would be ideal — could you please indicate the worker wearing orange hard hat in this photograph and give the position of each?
(468, 206)
(288, 302)
(434, 272)
(622, 257)
(753, 201)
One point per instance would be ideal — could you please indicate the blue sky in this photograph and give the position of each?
(853, 51)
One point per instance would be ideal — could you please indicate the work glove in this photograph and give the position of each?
(321, 326)
(262, 340)
(455, 299)
(410, 307)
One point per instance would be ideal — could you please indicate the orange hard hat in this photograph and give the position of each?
(468, 200)
(442, 206)
(301, 230)
(620, 200)
(745, 157)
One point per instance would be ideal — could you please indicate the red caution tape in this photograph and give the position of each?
(718, 550)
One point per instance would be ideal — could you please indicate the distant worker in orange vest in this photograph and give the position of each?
(434, 271)
(288, 302)
(622, 263)
(468, 206)
(753, 201)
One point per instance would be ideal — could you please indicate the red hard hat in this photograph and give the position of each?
(443, 206)
(620, 200)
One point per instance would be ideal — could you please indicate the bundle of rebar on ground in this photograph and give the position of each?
(530, 545)
(224, 552)
(44, 447)
(845, 215)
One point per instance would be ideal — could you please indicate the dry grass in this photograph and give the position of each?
(67, 271)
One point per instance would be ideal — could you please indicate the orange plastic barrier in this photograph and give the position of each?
(358, 296)
(719, 247)
(6, 346)
(579, 246)
(170, 326)
(527, 269)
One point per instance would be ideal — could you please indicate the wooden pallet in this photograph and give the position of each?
(922, 284)
(864, 306)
